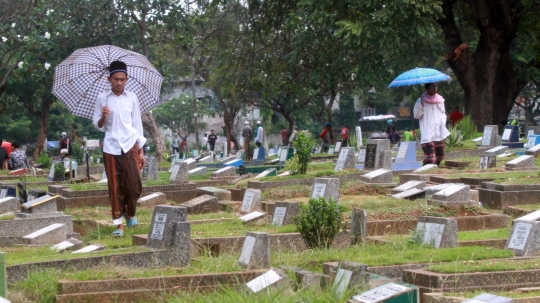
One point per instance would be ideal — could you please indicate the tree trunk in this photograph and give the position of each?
(157, 137)
(328, 111)
(487, 75)
(290, 128)
(43, 128)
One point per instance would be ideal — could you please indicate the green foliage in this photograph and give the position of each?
(45, 159)
(41, 286)
(177, 115)
(59, 171)
(345, 115)
(271, 145)
(454, 139)
(252, 147)
(304, 143)
(292, 165)
(352, 139)
(77, 153)
(467, 127)
(319, 222)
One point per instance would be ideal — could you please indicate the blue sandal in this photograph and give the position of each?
(131, 222)
(117, 233)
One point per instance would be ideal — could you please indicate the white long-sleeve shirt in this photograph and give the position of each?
(432, 121)
(260, 134)
(123, 126)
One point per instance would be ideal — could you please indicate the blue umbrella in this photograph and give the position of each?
(419, 76)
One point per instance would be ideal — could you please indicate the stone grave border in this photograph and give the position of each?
(500, 196)
(437, 297)
(495, 243)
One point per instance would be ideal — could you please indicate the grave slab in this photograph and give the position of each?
(379, 176)
(274, 279)
(51, 234)
(220, 193)
(9, 204)
(523, 163)
(45, 204)
(227, 159)
(179, 173)
(413, 193)
(375, 154)
(202, 204)
(162, 228)
(35, 193)
(89, 248)
(198, 171)
(350, 275)
(389, 293)
(268, 172)
(453, 196)
(489, 136)
(69, 244)
(328, 188)
(191, 163)
(409, 185)
(255, 251)
(207, 159)
(234, 163)
(345, 159)
(533, 151)
(489, 298)
(251, 201)
(437, 232)
(496, 151)
(229, 171)
(524, 237)
(425, 168)
(152, 199)
(253, 217)
(150, 169)
(488, 162)
(284, 213)
(305, 278)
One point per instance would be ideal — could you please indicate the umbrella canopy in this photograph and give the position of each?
(419, 76)
(80, 78)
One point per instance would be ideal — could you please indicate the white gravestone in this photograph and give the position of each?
(337, 148)
(358, 136)
(247, 249)
(381, 293)
(263, 281)
(342, 280)
(159, 226)
(256, 215)
(361, 155)
(279, 215)
(506, 134)
(431, 233)
(318, 190)
(251, 201)
(519, 236)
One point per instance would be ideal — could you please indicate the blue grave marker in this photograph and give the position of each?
(510, 137)
(532, 140)
(406, 157)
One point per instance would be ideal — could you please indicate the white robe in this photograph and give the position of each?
(432, 121)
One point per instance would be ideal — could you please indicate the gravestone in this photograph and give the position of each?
(510, 137)
(255, 251)
(488, 162)
(337, 148)
(35, 193)
(150, 170)
(453, 197)
(283, 156)
(284, 212)
(163, 225)
(496, 151)
(395, 292)
(406, 157)
(52, 234)
(207, 159)
(152, 200)
(198, 171)
(69, 244)
(533, 130)
(532, 141)
(239, 155)
(179, 173)
(345, 159)
(408, 185)
(489, 136)
(7, 191)
(89, 248)
(425, 168)
(273, 279)
(437, 232)
(227, 159)
(251, 201)
(331, 149)
(350, 275)
(361, 155)
(379, 176)
(202, 204)
(98, 160)
(253, 217)
(268, 172)
(431, 190)
(191, 163)
(234, 163)
(103, 178)
(489, 298)
(21, 190)
(533, 151)
(328, 188)
(523, 163)
(524, 237)
(318, 150)
(358, 226)
(411, 194)
(42, 205)
(9, 204)
(378, 154)
(358, 130)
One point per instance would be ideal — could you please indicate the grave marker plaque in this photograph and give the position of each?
(431, 233)
(162, 227)
(361, 155)
(345, 159)
(519, 236)
(506, 134)
(371, 156)
(486, 137)
(391, 292)
(358, 136)
(338, 147)
(279, 216)
(159, 226)
(255, 251)
(283, 156)
(251, 201)
(318, 190)
(437, 232)
(328, 188)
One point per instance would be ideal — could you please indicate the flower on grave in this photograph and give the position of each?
(47, 65)
(18, 36)
(47, 35)
(21, 64)
(25, 38)
(4, 39)
(13, 25)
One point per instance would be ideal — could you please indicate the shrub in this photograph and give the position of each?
(292, 165)
(59, 171)
(271, 145)
(467, 127)
(454, 139)
(319, 222)
(45, 159)
(303, 144)
(77, 153)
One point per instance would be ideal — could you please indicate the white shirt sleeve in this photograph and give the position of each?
(97, 113)
(137, 122)
(418, 110)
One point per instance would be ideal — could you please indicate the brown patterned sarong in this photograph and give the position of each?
(124, 181)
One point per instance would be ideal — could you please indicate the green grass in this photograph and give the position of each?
(7, 217)
(468, 266)
(467, 145)
(200, 177)
(502, 233)
(532, 207)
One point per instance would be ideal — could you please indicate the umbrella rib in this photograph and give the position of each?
(89, 86)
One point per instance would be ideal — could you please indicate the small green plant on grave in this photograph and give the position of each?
(252, 147)
(455, 138)
(59, 171)
(292, 165)
(77, 153)
(271, 145)
(352, 141)
(318, 222)
(45, 159)
(304, 143)
(467, 127)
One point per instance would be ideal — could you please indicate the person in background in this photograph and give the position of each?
(212, 140)
(183, 148)
(325, 137)
(204, 141)
(283, 136)
(344, 136)
(429, 110)
(408, 135)
(65, 146)
(260, 134)
(17, 159)
(393, 136)
(456, 115)
(3, 157)
(247, 133)
(7, 146)
(175, 144)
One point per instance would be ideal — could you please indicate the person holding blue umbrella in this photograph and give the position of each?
(429, 110)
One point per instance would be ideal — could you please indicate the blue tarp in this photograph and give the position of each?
(53, 144)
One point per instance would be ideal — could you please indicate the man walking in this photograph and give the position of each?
(212, 140)
(248, 136)
(175, 144)
(429, 109)
(344, 136)
(260, 134)
(118, 115)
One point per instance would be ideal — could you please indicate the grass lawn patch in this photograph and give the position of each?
(502, 233)
(468, 266)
